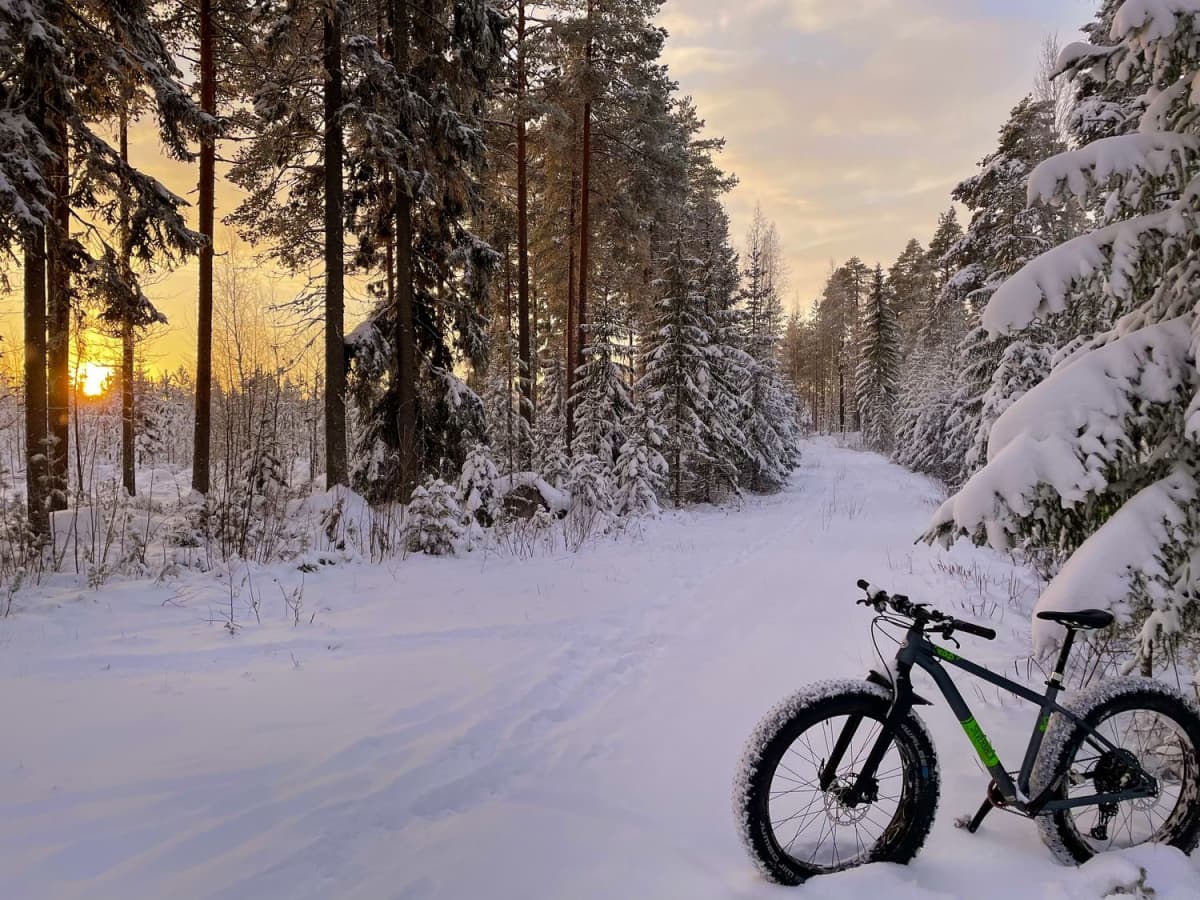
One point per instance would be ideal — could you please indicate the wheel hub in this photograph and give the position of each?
(837, 799)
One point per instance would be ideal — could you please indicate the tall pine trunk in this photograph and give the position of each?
(405, 336)
(58, 322)
(585, 179)
(128, 473)
(203, 411)
(335, 301)
(572, 234)
(36, 470)
(526, 374)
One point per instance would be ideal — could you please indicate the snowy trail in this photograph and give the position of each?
(562, 727)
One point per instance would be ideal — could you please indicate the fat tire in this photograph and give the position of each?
(1063, 737)
(776, 733)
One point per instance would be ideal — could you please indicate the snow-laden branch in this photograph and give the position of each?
(1065, 434)
(1041, 287)
(1124, 558)
(1076, 53)
(1129, 157)
(1151, 20)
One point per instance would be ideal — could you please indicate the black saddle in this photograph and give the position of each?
(1081, 618)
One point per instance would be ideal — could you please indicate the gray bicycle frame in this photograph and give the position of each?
(919, 651)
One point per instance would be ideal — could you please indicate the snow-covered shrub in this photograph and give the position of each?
(641, 471)
(477, 494)
(591, 499)
(1102, 459)
(434, 520)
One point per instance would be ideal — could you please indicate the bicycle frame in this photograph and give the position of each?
(918, 650)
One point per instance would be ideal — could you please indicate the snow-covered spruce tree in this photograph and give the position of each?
(878, 366)
(675, 383)
(1003, 235)
(768, 423)
(729, 365)
(928, 384)
(925, 404)
(1098, 463)
(550, 430)
(910, 281)
(433, 520)
(1023, 365)
(591, 488)
(601, 396)
(641, 472)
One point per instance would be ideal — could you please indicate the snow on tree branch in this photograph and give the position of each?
(1129, 555)
(1043, 286)
(1067, 435)
(1129, 158)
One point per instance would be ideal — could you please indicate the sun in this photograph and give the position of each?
(93, 378)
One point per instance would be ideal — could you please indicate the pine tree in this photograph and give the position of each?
(879, 360)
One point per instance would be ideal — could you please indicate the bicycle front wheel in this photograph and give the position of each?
(1154, 729)
(792, 827)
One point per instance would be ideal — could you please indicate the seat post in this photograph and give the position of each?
(1061, 666)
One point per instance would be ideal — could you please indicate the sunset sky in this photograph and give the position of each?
(839, 117)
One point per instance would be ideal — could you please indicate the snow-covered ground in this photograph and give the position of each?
(558, 727)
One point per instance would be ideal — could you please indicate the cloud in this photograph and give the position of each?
(823, 15)
(851, 121)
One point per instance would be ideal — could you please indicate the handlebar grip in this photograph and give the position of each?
(864, 584)
(977, 630)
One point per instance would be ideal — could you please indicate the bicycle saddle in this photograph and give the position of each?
(1080, 618)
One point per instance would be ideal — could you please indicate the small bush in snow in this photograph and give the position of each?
(434, 520)
(477, 486)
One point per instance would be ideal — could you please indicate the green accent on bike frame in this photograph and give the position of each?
(1043, 723)
(944, 653)
(981, 743)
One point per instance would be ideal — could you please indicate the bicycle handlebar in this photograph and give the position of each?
(921, 613)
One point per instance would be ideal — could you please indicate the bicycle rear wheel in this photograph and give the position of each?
(1153, 728)
(793, 828)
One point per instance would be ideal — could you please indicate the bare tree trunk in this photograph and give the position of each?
(36, 469)
(128, 473)
(335, 301)
(526, 374)
(204, 325)
(584, 208)
(510, 430)
(569, 410)
(406, 337)
(58, 323)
